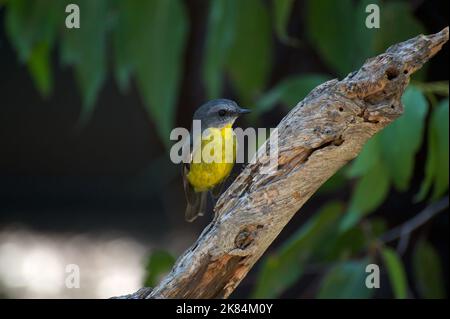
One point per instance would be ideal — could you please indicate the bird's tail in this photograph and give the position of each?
(197, 207)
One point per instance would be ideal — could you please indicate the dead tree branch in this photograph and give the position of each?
(321, 134)
(412, 224)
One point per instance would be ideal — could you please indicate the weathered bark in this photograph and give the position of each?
(321, 134)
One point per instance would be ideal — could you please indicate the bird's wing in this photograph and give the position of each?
(188, 189)
(196, 201)
(196, 209)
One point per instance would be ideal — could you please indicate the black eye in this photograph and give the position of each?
(222, 112)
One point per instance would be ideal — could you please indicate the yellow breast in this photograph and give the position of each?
(205, 175)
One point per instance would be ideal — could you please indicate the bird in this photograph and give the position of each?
(202, 176)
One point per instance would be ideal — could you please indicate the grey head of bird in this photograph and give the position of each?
(218, 113)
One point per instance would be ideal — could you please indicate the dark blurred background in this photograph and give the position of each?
(85, 113)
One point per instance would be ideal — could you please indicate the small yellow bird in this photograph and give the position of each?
(201, 176)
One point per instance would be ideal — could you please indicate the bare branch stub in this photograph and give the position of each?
(321, 134)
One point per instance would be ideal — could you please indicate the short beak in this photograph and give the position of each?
(243, 111)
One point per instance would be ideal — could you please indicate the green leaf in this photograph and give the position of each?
(436, 169)
(153, 53)
(370, 192)
(334, 183)
(440, 132)
(159, 263)
(367, 159)
(85, 49)
(402, 139)
(290, 91)
(285, 267)
(396, 273)
(268, 284)
(377, 227)
(438, 87)
(159, 60)
(31, 28)
(428, 271)
(129, 22)
(328, 18)
(346, 280)
(343, 245)
(29, 23)
(250, 56)
(282, 10)
(221, 32)
(39, 67)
